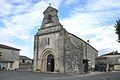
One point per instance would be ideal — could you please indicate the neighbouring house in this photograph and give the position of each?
(56, 50)
(108, 62)
(25, 63)
(9, 57)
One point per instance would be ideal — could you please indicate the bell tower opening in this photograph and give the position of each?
(49, 18)
(50, 63)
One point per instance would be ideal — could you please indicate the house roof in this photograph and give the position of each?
(24, 58)
(8, 47)
(111, 53)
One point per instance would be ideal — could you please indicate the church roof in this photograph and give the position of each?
(112, 53)
(24, 58)
(82, 40)
(8, 47)
(49, 8)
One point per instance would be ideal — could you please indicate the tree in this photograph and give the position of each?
(117, 29)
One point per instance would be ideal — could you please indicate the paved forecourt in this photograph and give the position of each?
(26, 75)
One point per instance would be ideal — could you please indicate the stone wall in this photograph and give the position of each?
(55, 45)
(89, 52)
(68, 50)
(73, 57)
(7, 56)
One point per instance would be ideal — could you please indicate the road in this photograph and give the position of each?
(26, 75)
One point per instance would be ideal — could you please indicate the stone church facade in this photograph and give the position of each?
(56, 50)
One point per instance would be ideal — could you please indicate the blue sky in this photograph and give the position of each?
(88, 19)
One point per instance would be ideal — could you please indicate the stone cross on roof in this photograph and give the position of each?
(49, 4)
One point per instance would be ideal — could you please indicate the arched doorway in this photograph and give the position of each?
(50, 63)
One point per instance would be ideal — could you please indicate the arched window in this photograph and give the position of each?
(49, 18)
(48, 41)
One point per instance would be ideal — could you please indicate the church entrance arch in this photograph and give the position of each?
(48, 60)
(50, 63)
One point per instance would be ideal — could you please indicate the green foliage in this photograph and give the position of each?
(117, 29)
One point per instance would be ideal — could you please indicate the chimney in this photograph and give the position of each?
(113, 52)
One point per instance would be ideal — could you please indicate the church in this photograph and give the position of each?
(56, 50)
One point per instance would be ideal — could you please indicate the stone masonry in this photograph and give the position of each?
(56, 50)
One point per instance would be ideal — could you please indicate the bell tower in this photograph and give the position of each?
(50, 17)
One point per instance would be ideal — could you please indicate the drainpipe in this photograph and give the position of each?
(37, 50)
(64, 50)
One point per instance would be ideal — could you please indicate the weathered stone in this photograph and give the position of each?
(67, 49)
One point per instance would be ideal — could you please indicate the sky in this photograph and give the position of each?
(87, 19)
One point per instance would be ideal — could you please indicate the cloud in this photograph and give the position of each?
(97, 18)
(21, 20)
(54, 3)
(102, 5)
(68, 2)
(5, 8)
(18, 28)
(94, 21)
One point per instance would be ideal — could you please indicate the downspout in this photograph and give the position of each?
(37, 50)
(64, 50)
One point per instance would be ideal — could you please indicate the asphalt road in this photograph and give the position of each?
(25, 75)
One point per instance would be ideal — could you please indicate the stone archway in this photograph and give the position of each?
(50, 63)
